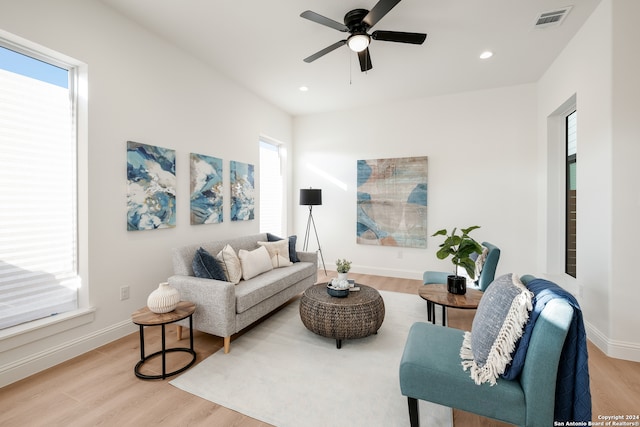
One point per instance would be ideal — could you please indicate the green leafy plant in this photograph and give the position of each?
(459, 247)
(343, 266)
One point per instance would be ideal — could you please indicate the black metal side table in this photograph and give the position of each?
(145, 317)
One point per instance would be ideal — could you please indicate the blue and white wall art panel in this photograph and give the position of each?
(151, 187)
(392, 202)
(206, 189)
(242, 191)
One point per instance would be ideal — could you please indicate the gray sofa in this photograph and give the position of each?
(223, 308)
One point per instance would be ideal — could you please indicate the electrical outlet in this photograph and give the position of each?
(124, 293)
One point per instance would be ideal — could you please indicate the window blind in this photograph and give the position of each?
(271, 191)
(38, 215)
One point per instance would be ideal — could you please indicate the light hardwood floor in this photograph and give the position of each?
(99, 387)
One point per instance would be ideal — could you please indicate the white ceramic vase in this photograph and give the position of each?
(164, 299)
(342, 276)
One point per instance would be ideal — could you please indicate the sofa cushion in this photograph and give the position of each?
(250, 293)
(254, 262)
(293, 256)
(230, 263)
(278, 252)
(500, 319)
(206, 266)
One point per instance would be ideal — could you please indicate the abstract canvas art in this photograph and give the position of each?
(242, 191)
(392, 202)
(206, 189)
(151, 187)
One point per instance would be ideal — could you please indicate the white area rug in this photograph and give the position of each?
(281, 373)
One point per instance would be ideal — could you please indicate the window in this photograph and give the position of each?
(271, 188)
(571, 199)
(38, 186)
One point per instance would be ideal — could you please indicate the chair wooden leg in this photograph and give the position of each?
(227, 344)
(414, 417)
(179, 332)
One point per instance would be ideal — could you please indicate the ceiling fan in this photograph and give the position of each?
(357, 23)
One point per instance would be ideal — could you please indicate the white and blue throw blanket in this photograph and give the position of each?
(573, 396)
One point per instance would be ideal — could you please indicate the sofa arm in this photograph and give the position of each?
(311, 257)
(215, 303)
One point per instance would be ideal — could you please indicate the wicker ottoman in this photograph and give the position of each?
(356, 316)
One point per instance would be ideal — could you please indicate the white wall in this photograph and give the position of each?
(600, 67)
(145, 90)
(480, 147)
(625, 292)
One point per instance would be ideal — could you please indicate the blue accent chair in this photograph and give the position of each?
(482, 281)
(431, 370)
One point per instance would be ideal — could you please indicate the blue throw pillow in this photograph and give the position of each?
(206, 266)
(293, 256)
(498, 324)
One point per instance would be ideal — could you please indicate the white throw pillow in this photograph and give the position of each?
(278, 252)
(254, 262)
(230, 263)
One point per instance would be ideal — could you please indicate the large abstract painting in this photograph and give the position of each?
(151, 187)
(392, 202)
(242, 191)
(206, 189)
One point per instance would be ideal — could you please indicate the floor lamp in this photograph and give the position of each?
(311, 197)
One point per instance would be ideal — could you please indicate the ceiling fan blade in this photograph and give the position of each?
(399, 36)
(365, 60)
(324, 51)
(379, 11)
(323, 20)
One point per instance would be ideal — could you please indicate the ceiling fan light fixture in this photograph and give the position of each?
(358, 42)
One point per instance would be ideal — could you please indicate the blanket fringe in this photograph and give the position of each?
(503, 347)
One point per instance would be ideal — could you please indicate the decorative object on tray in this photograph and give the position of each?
(164, 299)
(343, 266)
(338, 288)
(460, 248)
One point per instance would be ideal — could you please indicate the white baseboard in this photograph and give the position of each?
(388, 272)
(34, 363)
(613, 348)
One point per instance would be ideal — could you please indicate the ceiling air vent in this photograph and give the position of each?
(553, 18)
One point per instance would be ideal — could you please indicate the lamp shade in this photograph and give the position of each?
(358, 42)
(310, 196)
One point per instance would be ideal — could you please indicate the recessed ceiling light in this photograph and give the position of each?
(486, 54)
(303, 88)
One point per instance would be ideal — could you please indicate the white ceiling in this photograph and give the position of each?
(261, 45)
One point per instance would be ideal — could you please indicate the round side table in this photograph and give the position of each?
(438, 294)
(145, 317)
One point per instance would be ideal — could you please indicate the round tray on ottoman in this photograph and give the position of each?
(358, 315)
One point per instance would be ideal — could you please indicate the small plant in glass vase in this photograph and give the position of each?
(343, 266)
(459, 247)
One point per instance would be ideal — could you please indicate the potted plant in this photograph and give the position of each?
(459, 247)
(343, 266)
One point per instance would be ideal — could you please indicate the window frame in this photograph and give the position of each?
(281, 150)
(39, 329)
(552, 254)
